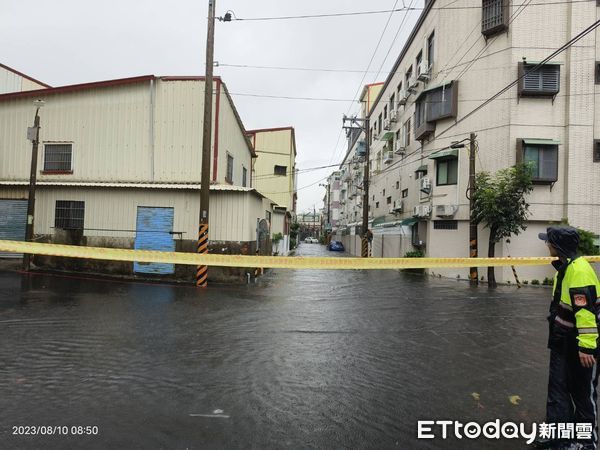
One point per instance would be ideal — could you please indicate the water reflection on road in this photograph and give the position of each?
(302, 359)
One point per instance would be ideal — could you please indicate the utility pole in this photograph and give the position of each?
(34, 135)
(202, 247)
(314, 233)
(329, 203)
(365, 188)
(365, 218)
(473, 274)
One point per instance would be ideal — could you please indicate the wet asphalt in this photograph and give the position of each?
(302, 359)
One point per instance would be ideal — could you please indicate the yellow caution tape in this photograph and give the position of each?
(278, 262)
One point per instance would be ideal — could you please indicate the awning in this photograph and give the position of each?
(541, 142)
(388, 136)
(409, 221)
(547, 63)
(449, 152)
(433, 88)
(378, 220)
(422, 168)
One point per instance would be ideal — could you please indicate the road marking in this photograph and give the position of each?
(215, 416)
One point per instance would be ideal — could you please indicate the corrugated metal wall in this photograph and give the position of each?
(136, 132)
(108, 128)
(232, 214)
(13, 220)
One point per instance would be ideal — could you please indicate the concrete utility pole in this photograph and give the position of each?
(202, 248)
(473, 273)
(365, 218)
(33, 134)
(365, 211)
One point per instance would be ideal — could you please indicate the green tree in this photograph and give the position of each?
(500, 205)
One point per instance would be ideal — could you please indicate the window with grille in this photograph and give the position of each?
(494, 17)
(543, 81)
(597, 73)
(68, 215)
(543, 159)
(280, 170)
(229, 175)
(404, 193)
(596, 150)
(58, 158)
(445, 225)
(388, 200)
(244, 176)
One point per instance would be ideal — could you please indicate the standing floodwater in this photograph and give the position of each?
(327, 359)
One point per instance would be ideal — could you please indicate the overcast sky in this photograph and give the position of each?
(64, 42)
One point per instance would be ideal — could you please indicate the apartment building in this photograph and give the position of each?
(432, 98)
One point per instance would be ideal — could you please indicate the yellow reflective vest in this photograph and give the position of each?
(579, 305)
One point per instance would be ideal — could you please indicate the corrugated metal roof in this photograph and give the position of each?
(126, 185)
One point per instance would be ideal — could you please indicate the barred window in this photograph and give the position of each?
(68, 215)
(445, 225)
(280, 170)
(494, 16)
(58, 157)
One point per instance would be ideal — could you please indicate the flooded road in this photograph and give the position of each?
(303, 359)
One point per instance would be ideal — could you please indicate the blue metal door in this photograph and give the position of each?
(153, 232)
(13, 218)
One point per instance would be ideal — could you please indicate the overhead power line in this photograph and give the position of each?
(515, 82)
(304, 69)
(385, 11)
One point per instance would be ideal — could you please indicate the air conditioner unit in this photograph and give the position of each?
(391, 210)
(399, 148)
(403, 97)
(398, 205)
(424, 71)
(413, 84)
(446, 210)
(393, 115)
(387, 124)
(425, 185)
(388, 157)
(422, 211)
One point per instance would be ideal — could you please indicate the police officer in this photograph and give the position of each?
(573, 340)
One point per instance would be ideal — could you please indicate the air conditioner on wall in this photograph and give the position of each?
(402, 97)
(393, 115)
(421, 211)
(399, 147)
(445, 210)
(424, 71)
(386, 124)
(388, 157)
(413, 84)
(397, 206)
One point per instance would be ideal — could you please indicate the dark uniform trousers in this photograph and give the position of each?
(572, 393)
